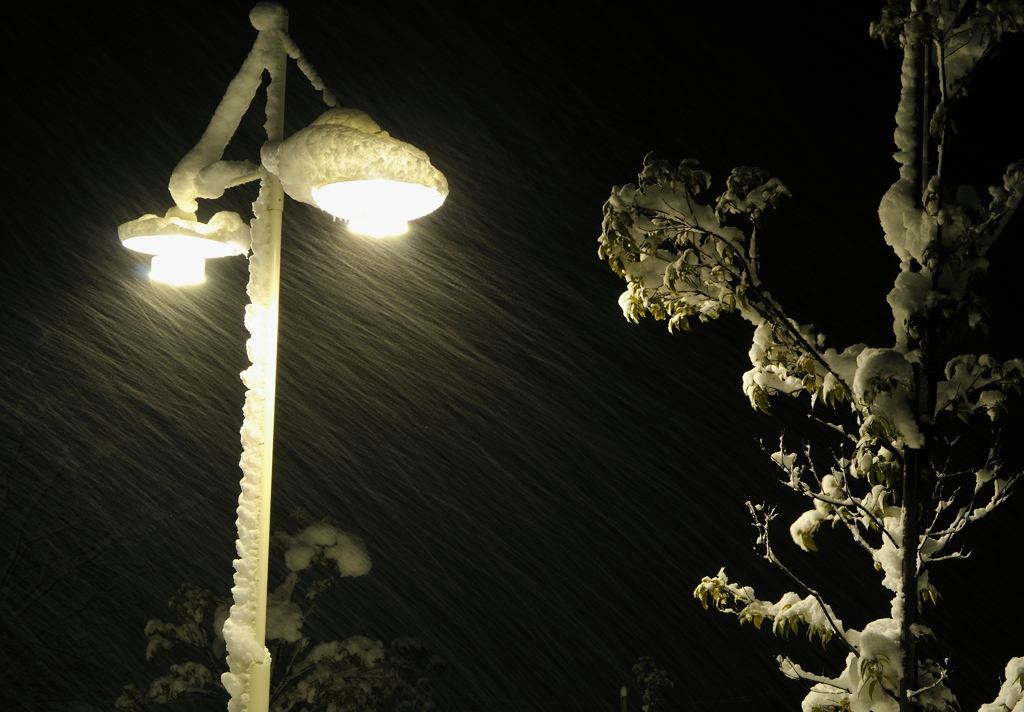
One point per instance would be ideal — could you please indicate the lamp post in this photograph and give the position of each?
(346, 165)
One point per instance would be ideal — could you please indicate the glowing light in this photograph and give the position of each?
(378, 227)
(178, 270)
(179, 244)
(377, 207)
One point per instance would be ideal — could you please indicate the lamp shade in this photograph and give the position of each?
(344, 164)
(180, 244)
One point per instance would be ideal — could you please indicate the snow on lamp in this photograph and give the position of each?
(180, 244)
(344, 164)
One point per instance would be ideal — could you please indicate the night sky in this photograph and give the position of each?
(541, 484)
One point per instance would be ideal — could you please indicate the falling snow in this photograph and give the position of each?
(535, 480)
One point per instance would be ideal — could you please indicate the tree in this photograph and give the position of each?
(651, 679)
(911, 453)
(357, 673)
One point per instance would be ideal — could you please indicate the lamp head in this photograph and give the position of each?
(180, 244)
(344, 164)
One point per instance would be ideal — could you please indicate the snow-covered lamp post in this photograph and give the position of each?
(342, 163)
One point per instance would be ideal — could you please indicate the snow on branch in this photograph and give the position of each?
(1011, 693)
(976, 384)
(684, 259)
(786, 615)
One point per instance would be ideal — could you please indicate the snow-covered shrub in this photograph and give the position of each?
(357, 673)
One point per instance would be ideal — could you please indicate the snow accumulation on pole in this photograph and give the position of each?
(244, 630)
(248, 678)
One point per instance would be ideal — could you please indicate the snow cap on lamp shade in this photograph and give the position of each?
(345, 146)
(225, 234)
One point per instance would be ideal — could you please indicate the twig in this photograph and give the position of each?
(770, 556)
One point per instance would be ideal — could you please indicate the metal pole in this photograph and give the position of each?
(267, 270)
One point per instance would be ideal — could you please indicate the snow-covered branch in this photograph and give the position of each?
(1011, 694)
(787, 614)
(833, 502)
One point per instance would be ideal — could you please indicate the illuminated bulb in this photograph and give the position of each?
(377, 207)
(178, 270)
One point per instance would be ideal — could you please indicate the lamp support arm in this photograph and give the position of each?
(198, 173)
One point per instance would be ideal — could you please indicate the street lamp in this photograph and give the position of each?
(344, 163)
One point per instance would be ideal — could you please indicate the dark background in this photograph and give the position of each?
(541, 484)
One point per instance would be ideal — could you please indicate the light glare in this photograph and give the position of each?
(379, 227)
(377, 203)
(179, 244)
(178, 269)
